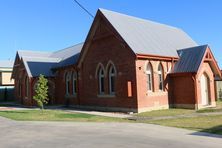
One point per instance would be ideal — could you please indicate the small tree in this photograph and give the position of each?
(41, 92)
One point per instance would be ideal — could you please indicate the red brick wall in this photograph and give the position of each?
(182, 90)
(102, 50)
(205, 68)
(183, 86)
(21, 74)
(60, 88)
(105, 47)
(151, 99)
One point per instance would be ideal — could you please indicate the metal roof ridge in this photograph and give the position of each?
(67, 48)
(138, 18)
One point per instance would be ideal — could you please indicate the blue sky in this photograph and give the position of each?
(49, 25)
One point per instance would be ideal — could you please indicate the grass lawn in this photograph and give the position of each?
(52, 115)
(210, 124)
(206, 123)
(165, 112)
(177, 111)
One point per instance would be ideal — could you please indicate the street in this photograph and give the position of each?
(31, 134)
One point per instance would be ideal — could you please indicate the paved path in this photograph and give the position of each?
(138, 118)
(106, 114)
(106, 135)
(73, 110)
(114, 114)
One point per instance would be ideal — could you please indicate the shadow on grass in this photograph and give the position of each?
(209, 110)
(215, 132)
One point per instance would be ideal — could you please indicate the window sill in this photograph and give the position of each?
(106, 96)
(156, 93)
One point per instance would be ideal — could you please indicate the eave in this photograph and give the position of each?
(156, 57)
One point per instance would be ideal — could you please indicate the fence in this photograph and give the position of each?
(219, 90)
(6, 93)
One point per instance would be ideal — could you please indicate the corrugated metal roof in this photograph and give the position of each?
(69, 61)
(29, 53)
(69, 55)
(41, 59)
(147, 37)
(190, 59)
(143, 37)
(67, 52)
(37, 63)
(37, 68)
(6, 64)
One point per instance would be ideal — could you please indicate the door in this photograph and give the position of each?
(205, 89)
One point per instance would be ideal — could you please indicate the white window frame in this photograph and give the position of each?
(160, 76)
(149, 73)
(74, 83)
(112, 74)
(67, 81)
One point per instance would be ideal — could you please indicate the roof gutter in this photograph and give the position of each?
(75, 66)
(156, 57)
(182, 74)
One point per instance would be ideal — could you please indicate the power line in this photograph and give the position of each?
(81, 6)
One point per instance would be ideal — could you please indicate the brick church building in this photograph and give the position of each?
(125, 64)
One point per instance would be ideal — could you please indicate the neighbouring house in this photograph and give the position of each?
(125, 64)
(6, 83)
(218, 82)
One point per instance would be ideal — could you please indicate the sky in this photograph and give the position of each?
(50, 25)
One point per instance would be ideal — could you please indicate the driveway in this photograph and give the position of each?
(106, 135)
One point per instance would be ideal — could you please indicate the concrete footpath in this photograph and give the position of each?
(98, 113)
(112, 114)
(72, 110)
(141, 118)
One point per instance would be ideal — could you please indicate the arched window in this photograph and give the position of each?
(149, 73)
(160, 76)
(67, 80)
(27, 86)
(112, 75)
(101, 77)
(74, 83)
(19, 88)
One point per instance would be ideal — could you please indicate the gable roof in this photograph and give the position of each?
(29, 53)
(37, 63)
(68, 55)
(147, 37)
(190, 59)
(142, 36)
